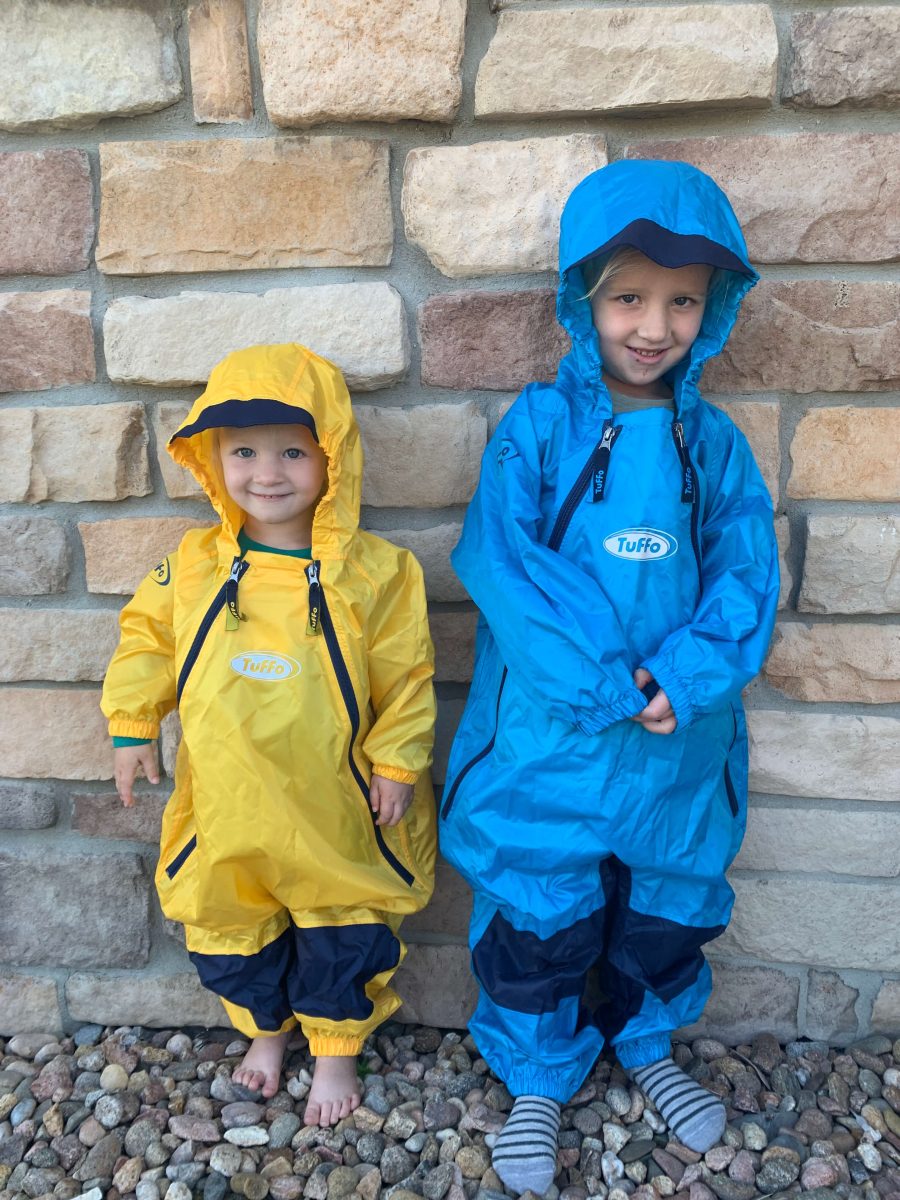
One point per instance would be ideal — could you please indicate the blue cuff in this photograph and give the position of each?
(642, 1051)
(662, 672)
(595, 720)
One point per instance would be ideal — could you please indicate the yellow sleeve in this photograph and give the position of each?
(401, 667)
(139, 688)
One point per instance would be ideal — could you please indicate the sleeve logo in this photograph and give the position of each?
(162, 574)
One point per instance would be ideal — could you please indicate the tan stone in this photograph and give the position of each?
(432, 548)
(448, 717)
(456, 201)
(361, 60)
(70, 65)
(28, 1004)
(437, 986)
(758, 423)
(787, 755)
(169, 742)
(54, 444)
(119, 553)
(886, 1010)
(453, 634)
(141, 998)
(783, 536)
(844, 58)
(830, 1008)
(830, 337)
(851, 565)
(746, 1000)
(48, 734)
(846, 453)
(56, 643)
(46, 212)
(33, 556)
(834, 841)
(168, 415)
(220, 63)
(447, 913)
(643, 60)
(244, 204)
(105, 816)
(803, 197)
(423, 457)
(361, 327)
(45, 340)
(854, 662)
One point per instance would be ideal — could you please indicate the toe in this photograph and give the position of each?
(312, 1113)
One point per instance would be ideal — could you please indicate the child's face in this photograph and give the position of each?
(276, 474)
(648, 317)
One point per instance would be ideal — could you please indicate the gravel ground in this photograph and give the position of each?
(139, 1114)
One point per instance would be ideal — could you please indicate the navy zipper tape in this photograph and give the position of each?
(451, 795)
(690, 489)
(203, 629)
(729, 788)
(181, 858)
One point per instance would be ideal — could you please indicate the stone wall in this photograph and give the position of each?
(382, 180)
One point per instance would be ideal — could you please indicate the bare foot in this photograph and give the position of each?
(335, 1090)
(260, 1068)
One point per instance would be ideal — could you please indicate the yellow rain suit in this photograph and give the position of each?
(295, 681)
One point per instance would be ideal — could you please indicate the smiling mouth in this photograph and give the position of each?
(648, 354)
(270, 495)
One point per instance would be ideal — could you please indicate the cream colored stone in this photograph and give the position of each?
(814, 921)
(846, 453)
(758, 422)
(854, 662)
(824, 756)
(220, 63)
(453, 634)
(70, 65)
(783, 536)
(361, 327)
(229, 204)
(28, 1004)
(574, 60)
(169, 741)
(851, 565)
(432, 548)
(834, 841)
(142, 998)
(494, 207)
(744, 998)
(423, 457)
(844, 57)
(119, 553)
(361, 60)
(437, 986)
(46, 734)
(54, 444)
(61, 644)
(168, 415)
(886, 1009)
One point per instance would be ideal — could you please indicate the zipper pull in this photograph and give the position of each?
(600, 461)
(687, 468)
(233, 616)
(315, 596)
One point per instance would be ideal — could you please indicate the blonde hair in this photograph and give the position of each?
(599, 269)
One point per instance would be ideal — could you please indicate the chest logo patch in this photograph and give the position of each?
(264, 664)
(641, 545)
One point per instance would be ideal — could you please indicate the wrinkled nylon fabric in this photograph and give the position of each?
(269, 853)
(586, 839)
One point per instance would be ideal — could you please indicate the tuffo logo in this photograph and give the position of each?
(263, 664)
(640, 545)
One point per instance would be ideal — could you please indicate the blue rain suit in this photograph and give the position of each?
(592, 547)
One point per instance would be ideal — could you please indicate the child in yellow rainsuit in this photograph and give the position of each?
(296, 649)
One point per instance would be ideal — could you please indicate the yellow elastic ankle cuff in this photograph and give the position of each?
(333, 1047)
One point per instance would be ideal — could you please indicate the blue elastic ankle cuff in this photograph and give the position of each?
(640, 1052)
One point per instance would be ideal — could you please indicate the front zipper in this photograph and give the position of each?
(227, 593)
(451, 795)
(690, 492)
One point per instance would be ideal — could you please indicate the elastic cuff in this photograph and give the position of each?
(552, 1085)
(334, 1047)
(642, 1051)
(595, 720)
(396, 774)
(134, 729)
(678, 695)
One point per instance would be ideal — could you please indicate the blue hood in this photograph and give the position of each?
(673, 213)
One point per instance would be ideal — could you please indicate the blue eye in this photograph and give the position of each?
(628, 298)
(293, 452)
(244, 452)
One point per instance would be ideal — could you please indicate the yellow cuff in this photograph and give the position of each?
(396, 774)
(134, 729)
(334, 1047)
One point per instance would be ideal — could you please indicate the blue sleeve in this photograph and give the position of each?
(707, 663)
(553, 624)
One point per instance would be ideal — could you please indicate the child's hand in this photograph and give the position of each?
(657, 717)
(389, 799)
(130, 759)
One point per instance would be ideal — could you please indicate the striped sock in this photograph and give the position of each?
(692, 1113)
(525, 1154)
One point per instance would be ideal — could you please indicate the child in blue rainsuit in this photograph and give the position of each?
(620, 549)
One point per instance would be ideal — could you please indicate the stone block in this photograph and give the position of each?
(423, 457)
(361, 327)
(456, 201)
(34, 560)
(220, 62)
(55, 443)
(66, 66)
(844, 58)
(449, 716)
(855, 662)
(432, 548)
(568, 60)
(830, 1008)
(815, 922)
(786, 758)
(783, 536)
(886, 1010)
(834, 841)
(64, 645)
(244, 204)
(832, 336)
(437, 986)
(169, 742)
(846, 453)
(803, 197)
(140, 998)
(28, 1004)
(746, 1001)
(448, 911)
(91, 910)
(355, 60)
(758, 422)
(47, 734)
(46, 212)
(103, 815)
(45, 340)
(26, 806)
(453, 634)
(851, 565)
(119, 553)
(482, 339)
(179, 483)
